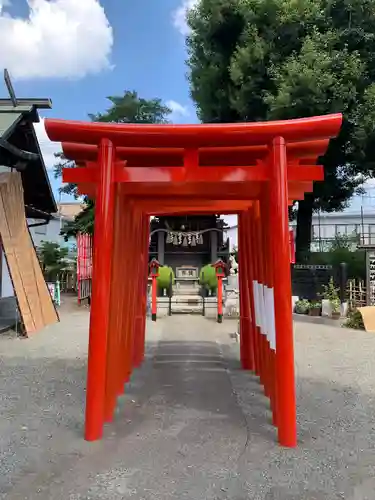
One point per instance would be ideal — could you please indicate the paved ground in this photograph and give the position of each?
(192, 425)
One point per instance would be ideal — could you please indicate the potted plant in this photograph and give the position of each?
(315, 308)
(302, 306)
(330, 294)
(336, 308)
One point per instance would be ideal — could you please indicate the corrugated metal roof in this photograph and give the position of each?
(37, 187)
(11, 115)
(8, 122)
(27, 103)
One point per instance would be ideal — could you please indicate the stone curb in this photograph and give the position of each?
(318, 320)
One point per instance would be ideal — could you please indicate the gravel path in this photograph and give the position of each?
(191, 425)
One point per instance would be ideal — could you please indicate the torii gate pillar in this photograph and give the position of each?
(285, 382)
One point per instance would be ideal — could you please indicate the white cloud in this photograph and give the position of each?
(47, 147)
(58, 39)
(179, 16)
(178, 110)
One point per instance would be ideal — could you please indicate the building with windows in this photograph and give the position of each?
(51, 230)
(326, 227)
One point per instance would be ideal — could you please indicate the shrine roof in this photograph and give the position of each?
(20, 149)
(8, 122)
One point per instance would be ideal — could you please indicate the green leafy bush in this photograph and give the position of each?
(315, 304)
(52, 258)
(207, 277)
(302, 306)
(354, 321)
(330, 292)
(164, 277)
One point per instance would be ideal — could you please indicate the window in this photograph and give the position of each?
(371, 230)
(327, 231)
(351, 229)
(348, 229)
(340, 229)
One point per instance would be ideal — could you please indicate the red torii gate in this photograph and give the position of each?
(134, 171)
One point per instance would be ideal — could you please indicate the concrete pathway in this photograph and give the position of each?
(191, 425)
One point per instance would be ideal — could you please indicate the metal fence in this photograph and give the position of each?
(308, 280)
(353, 240)
(68, 281)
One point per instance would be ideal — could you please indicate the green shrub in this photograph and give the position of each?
(302, 306)
(207, 277)
(354, 321)
(330, 292)
(315, 304)
(163, 279)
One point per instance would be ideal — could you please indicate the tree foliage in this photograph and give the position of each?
(52, 258)
(253, 60)
(343, 248)
(129, 108)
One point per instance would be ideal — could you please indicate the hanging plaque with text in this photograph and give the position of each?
(371, 277)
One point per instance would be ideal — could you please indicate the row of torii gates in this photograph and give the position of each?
(133, 171)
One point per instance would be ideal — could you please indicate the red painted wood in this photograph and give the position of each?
(180, 169)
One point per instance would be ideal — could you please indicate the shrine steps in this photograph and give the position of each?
(187, 304)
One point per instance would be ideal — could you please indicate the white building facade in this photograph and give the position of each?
(328, 226)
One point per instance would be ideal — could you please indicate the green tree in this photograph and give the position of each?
(52, 258)
(129, 108)
(253, 60)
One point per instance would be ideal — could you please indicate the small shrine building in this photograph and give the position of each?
(187, 243)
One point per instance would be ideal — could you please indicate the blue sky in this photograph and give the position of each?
(77, 52)
(148, 55)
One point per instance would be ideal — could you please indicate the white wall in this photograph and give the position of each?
(6, 284)
(232, 222)
(48, 232)
(326, 226)
(232, 235)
